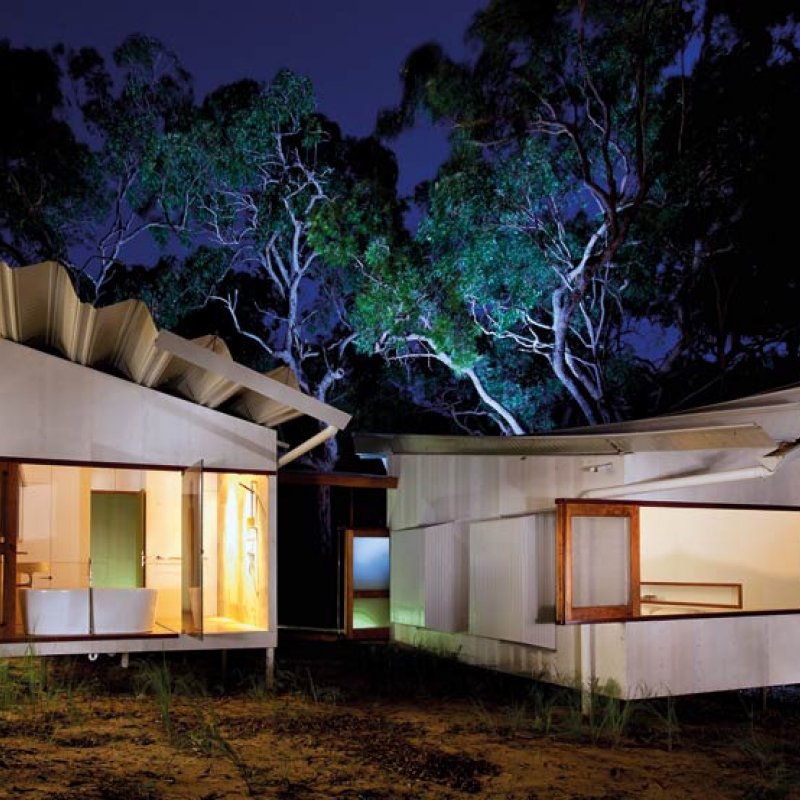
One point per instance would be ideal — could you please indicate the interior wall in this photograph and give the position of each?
(163, 543)
(210, 539)
(760, 549)
(54, 525)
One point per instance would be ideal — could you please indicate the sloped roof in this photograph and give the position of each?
(39, 307)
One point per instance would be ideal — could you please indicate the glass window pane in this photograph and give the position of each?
(370, 612)
(370, 563)
(600, 561)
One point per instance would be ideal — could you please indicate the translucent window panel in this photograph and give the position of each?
(600, 561)
(370, 612)
(370, 563)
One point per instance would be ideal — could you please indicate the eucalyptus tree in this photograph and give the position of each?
(284, 211)
(528, 236)
(129, 114)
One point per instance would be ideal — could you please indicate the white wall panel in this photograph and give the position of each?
(504, 594)
(434, 490)
(446, 577)
(559, 665)
(407, 594)
(477, 487)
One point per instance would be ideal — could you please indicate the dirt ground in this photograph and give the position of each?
(374, 723)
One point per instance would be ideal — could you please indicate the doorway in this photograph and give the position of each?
(367, 583)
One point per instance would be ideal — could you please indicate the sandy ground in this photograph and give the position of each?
(374, 724)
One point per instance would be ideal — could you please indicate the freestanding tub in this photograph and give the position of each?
(83, 612)
(123, 610)
(55, 612)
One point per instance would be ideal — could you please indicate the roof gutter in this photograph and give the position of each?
(768, 466)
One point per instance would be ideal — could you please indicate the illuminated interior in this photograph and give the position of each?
(370, 578)
(621, 560)
(66, 512)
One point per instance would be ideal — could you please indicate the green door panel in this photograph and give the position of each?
(117, 539)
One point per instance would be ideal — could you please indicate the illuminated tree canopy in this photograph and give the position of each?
(583, 147)
(607, 237)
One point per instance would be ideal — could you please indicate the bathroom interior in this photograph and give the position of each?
(103, 529)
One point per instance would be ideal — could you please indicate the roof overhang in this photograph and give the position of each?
(40, 308)
(244, 377)
(583, 444)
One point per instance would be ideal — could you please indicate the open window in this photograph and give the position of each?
(151, 552)
(643, 560)
(598, 555)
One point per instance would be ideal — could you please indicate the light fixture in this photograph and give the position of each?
(599, 467)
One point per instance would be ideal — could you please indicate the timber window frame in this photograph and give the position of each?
(728, 564)
(567, 610)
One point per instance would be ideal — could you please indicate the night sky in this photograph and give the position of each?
(351, 49)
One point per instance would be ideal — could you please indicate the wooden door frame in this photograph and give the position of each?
(350, 594)
(9, 538)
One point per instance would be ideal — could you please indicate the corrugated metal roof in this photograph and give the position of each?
(39, 307)
(596, 444)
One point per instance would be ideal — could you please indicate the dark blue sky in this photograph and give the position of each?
(351, 49)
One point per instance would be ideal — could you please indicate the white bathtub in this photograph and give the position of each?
(55, 612)
(124, 610)
(82, 612)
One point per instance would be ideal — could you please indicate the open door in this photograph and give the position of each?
(192, 551)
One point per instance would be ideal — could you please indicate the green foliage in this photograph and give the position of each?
(604, 169)
(526, 236)
(156, 679)
(615, 168)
